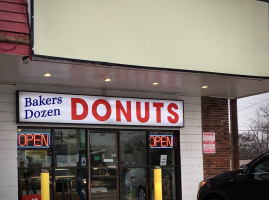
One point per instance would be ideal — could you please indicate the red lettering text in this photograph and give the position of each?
(45, 139)
(158, 107)
(83, 115)
(120, 109)
(95, 113)
(169, 141)
(29, 140)
(161, 141)
(175, 117)
(37, 140)
(138, 112)
(21, 140)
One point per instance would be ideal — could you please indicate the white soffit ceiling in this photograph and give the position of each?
(14, 70)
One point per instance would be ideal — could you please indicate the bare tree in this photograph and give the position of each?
(255, 141)
(246, 146)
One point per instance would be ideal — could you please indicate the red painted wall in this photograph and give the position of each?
(14, 27)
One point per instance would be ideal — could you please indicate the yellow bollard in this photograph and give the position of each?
(158, 193)
(45, 185)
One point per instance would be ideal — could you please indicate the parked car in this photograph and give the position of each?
(250, 182)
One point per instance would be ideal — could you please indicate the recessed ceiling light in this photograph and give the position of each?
(47, 75)
(107, 80)
(155, 83)
(204, 86)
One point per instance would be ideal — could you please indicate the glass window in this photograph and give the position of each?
(262, 165)
(103, 149)
(168, 154)
(104, 184)
(134, 183)
(29, 182)
(133, 148)
(103, 159)
(70, 148)
(71, 183)
(34, 157)
(168, 183)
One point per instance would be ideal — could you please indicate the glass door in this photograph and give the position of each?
(133, 165)
(164, 151)
(140, 152)
(103, 165)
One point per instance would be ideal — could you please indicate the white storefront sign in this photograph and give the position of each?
(37, 107)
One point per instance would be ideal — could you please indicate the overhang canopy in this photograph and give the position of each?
(16, 70)
(121, 66)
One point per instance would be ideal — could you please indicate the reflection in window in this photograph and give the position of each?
(104, 184)
(103, 159)
(133, 148)
(263, 165)
(168, 183)
(71, 183)
(133, 183)
(29, 182)
(103, 149)
(34, 158)
(70, 147)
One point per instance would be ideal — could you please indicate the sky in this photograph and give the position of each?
(246, 108)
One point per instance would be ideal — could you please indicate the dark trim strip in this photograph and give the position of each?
(37, 57)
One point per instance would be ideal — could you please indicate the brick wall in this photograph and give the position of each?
(215, 118)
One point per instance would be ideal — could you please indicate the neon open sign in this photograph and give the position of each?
(33, 140)
(161, 141)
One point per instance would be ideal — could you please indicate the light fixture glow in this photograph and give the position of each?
(155, 83)
(107, 80)
(47, 75)
(204, 86)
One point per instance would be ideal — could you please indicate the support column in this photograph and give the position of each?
(215, 118)
(234, 134)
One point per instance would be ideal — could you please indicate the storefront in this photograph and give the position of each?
(114, 162)
(135, 68)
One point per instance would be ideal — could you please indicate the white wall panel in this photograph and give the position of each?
(191, 148)
(8, 144)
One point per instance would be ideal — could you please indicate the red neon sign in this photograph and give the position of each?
(33, 140)
(161, 141)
